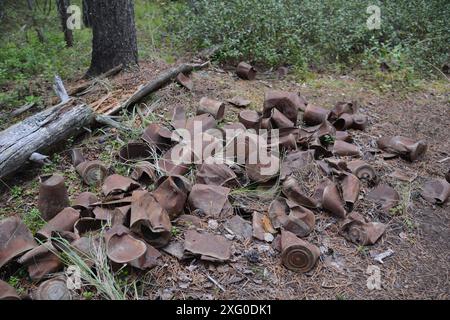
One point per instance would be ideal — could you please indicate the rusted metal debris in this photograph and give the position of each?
(404, 147)
(86, 225)
(143, 172)
(291, 217)
(249, 118)
(332, 200)
(436, 191)
(138, 222)
(287, 103)
(7, 292)
(342, 148)
(212, 107)
(83, 203)
(92, 172)
(403, 175)
(216, 174)
(343, 136)
(362, 170)
(134, 151)
(262, 171)
(240, 227)
(296, 254)
(185, 81)
(343, 107)
(292, 190)
(175, 167)
(15, 239)
(246, 71)
(211, 200)
(54, 289)
(41, 261)
(178, 117)
(357, 230)
(118, 184)
(157, 136)
(53, 196)
(350, 186)
(63, 221)
(150, 220)
(240, 102)
(314, 115)
(77, 156)
(351, 121)
(122, 247)
(209, 247)
(385, 196)
(171, 192)
(148, 260)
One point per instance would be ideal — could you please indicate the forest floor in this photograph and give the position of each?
(418, 234)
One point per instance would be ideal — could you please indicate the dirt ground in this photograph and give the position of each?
(419, 234)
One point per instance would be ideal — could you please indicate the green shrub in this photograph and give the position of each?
(317, 33)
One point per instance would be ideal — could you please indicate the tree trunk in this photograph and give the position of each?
(87, 14)
(40, 133)
(39, 32)
(62, 9)
(114, 35)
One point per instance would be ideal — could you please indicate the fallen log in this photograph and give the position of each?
(156, 84)
(40, 132)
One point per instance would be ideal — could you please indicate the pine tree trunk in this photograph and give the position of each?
(114, 35)
(62, 9)
(87, 14)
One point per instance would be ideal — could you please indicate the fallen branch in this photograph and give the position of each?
(22, 109)
(156, 84)
(60, 90)
(108, 121)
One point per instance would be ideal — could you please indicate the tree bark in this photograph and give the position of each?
(39, 133)
(62, 9)
(114, 35)
(87, 14)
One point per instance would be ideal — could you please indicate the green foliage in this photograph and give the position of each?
(33, 220)
(88, 295)
(16, 191)
(175, 231)
(309, 33)
(27, 66)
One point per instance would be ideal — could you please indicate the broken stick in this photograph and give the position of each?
(156, 84)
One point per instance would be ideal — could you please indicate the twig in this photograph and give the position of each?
(215, 282)
(443, 160)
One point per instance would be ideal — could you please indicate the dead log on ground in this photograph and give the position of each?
(41, 132)
(156, 84)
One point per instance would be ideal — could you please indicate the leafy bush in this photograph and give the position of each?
(317, 32)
